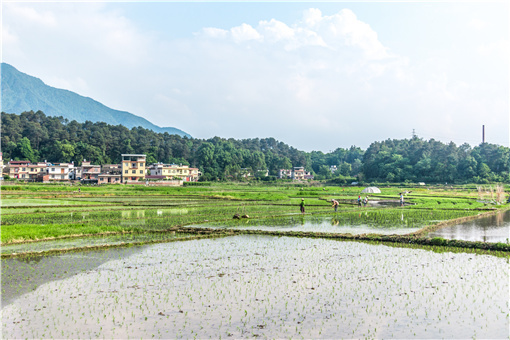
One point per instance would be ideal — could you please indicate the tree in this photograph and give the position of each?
(24, 150)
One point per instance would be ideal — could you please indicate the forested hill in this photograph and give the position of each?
(36, 137)
(21, 92)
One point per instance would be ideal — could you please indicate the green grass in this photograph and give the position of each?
(35, 211)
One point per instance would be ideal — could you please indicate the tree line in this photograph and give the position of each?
(36, 137)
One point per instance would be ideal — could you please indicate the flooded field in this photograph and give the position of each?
(79, 242)
(327, 224)
(488, 229)
(257, 286)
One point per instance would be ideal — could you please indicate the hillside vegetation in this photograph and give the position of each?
(34, 136)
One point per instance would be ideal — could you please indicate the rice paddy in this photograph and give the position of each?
(243, 262)
(494, 228)
(271, 287)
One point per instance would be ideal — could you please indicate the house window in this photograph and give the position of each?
(126, 171)
(133, 165)
(141, 172)
(133, 171)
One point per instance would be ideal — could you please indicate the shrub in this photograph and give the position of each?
(438, 241)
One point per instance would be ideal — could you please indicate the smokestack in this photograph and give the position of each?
(483, 134)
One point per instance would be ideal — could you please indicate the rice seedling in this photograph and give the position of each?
(261, 284)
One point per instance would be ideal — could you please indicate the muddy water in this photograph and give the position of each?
(276, 287)
(494, 228)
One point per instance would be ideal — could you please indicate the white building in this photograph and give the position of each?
(60, 171)
(173, 171)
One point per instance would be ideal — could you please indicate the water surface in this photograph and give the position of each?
(250, 286)
(494, 228)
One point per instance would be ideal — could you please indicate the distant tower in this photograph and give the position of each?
(483, 134)
(414, 134)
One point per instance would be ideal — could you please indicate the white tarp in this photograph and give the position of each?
(371, 190)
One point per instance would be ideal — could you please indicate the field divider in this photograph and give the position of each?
(107, 246)
(401, 239)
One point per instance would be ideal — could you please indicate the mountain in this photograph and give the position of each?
(22, 92)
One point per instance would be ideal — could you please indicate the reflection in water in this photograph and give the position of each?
(318, 225)
(133, 217)
(25, 274)
(493, 229)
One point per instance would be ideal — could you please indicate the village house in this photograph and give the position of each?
(262, 173)
(104, 178)
(60, 172)
(37, 171)
(285, 174)
(297, 173)
(174, 171)
(133, 167)
(110, 174)
(17, 169)
(111, 169)
(89, 172)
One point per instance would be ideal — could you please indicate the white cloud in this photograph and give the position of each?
(500, 49)
(11, 39)
(275, 30)
(83, 47)
(315, 83)
(345, 28)
(244, 33)
(477, 24)
(31, 16)
(213, 32)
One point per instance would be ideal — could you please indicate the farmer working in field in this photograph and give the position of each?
(334, 204)
(302, 205)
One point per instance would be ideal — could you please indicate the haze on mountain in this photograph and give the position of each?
(22, 92)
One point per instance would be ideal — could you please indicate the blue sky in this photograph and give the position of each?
(314, 75)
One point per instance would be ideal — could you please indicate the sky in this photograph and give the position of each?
(314, 75)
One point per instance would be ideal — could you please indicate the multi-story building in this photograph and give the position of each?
(36, 171)
(17, 169)
(174, 171)
(285, 173)
(297, 173)
(133, 167)
(60, 171)
(89, 171)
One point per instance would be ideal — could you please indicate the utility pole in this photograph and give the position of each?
(483, 134)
